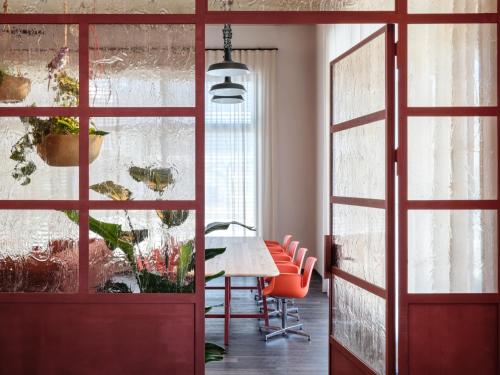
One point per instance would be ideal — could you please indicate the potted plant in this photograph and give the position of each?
(13, 88)
(55, 139)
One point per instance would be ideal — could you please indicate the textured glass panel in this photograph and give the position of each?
(38, 252)
(24, 163)
(452, 65)
(152, 157)
(359, 323)
(155, 253)
(359, 162)
(101, 6)
(452, 251)
(305, 5)
(360, 78)
(359, 236)
(452, 158)
(452, 6)
(26, 52)
(142, 65)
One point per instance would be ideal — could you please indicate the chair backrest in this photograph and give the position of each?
(308, 270)
(299, 259)
(286, 241)
(292, 249)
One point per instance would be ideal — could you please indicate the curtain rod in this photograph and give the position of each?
(243, 49)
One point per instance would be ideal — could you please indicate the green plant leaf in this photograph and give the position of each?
(185, 261)
(213, 277)
(111, 233)
(212, 253)
(173, 218)
(112, 190)
(136, 236)
(156, 179)
(209, 308)
(213, 352)
(212, 227)
(112, 287)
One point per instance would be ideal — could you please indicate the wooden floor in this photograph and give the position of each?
(249, 354)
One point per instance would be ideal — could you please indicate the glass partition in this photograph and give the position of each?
(311, 5)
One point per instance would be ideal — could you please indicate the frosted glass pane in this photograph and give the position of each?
(359, 237)
(359, 162)
(142, 65)
(26, 51)
(452, 65)
(24, 163)
(452, 6)
(101, 6)
(152, 157)
(452, 251)
(452, 158)
(38, 252)
(359, 323)
(360, 78)
(305, 5)
(155, 253)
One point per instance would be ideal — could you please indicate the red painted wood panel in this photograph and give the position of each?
(453, 339)
(82, 339)
(344, 365)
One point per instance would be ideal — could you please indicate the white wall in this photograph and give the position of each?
(296, 145)
(331, 41)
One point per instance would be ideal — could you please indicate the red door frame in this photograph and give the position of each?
(201, 18)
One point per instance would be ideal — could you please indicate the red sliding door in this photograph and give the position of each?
(362, 208)
(448, 191)
(102, 187)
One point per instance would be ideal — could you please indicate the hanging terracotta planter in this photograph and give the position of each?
(14, 89)
(59, 150)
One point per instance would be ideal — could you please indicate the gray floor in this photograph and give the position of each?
(249, 354)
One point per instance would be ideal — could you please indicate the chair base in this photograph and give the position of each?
(285, 329)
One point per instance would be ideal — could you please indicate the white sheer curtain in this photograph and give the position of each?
(239, 154)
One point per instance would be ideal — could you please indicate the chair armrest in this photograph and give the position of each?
(287, 267)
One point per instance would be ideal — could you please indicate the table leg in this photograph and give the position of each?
(264, 303)
(227, 309)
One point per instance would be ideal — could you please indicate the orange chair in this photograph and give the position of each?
(276, 247)
(287, 286)
(288, 255)
(297, 262)
(286, 241)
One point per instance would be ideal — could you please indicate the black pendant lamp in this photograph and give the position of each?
(235, 99)
(227, 88)
(227, 68)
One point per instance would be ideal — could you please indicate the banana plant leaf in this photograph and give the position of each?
(113, 191)
(173, 218)
(156, 179)
(153, 283)
(209, 308)
(212, 253)
(212, 227)
(213, 277)
(136, 236)
(111, 233)
(213, 352)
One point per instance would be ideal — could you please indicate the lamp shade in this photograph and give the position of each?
(227, 88)
(228, 69)
(236, 99)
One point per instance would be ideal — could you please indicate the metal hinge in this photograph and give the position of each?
(396, 151)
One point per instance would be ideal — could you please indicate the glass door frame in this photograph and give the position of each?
(200, 19)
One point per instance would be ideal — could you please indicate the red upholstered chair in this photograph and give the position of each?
(297, 262)
(287, 286)
(276, 247)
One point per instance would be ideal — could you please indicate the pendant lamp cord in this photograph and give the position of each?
(228, 35)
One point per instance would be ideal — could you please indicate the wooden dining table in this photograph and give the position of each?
(244, 257)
